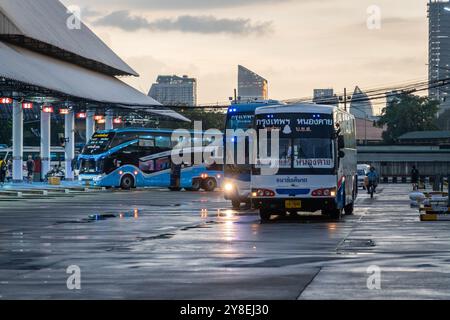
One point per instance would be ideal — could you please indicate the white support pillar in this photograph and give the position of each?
(69, 129)
(45, 143)
(90, 125)
(17, 140)
(109, 120)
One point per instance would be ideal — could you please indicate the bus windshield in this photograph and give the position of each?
(242, 121)
(98, 144)
(238, 121)
(306, 140)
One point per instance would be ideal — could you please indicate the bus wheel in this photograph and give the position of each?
(127, 182)
(209, 185)
(333, 214)
(265, 215)
(349, 209)
(196, 186)
(236, 204)
(336, 214)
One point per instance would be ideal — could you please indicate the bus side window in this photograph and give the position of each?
(163, 164)
(147, 166)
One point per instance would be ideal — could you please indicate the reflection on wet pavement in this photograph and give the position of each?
(139, 245)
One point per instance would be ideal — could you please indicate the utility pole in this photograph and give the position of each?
(235, 95)
(345, 99)
(365, 128)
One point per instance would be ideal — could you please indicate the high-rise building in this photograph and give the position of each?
(361, 106)
(251, 86)
(439, 50)
(175, 91)
(326, 97)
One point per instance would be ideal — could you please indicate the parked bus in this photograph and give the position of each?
(237, 185)
(317, 165)
(130, 158)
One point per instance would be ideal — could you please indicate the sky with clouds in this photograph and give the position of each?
(298, 45)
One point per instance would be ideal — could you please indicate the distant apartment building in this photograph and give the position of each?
(251, 86)
(438, 50)
(325, 97)
(175, 91)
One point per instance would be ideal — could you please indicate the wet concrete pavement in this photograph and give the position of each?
(162, 245)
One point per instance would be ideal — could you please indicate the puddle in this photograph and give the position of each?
(158, 237)
(354, 245)
(102, 217)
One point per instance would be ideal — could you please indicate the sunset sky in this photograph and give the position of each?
(298, 45)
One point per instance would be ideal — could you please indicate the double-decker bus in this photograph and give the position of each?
(130, 158)
(237, 186)
(316, 168)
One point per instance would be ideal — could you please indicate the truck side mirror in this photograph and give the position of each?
(341, 154)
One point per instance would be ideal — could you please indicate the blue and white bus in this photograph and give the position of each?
(237, 186)
(131, 158)
(316, 168)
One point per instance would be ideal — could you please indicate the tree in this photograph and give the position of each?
(407, 114)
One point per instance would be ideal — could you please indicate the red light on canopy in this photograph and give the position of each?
(64, 111)
(47, 109)
(98, 118)
(117, 121)
(27, 106)
(101, 121)
(4, 100)
(82, 115)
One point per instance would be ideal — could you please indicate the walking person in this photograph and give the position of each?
(3, 170)
(415, 176)
(9, 170)
(30, 169)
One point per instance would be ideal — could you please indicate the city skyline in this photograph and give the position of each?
(311, 43)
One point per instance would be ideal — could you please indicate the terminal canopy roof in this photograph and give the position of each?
(22, 65)
(43, 26)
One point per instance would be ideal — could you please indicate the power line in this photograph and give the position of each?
(371, 95)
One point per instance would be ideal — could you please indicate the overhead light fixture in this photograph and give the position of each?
(47, 109)
(5, 100)
(64, 111)
(81, 115)
(27, 105)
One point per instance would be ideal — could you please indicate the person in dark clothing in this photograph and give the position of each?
(3, 170)
(415, 175)
(30, 169)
